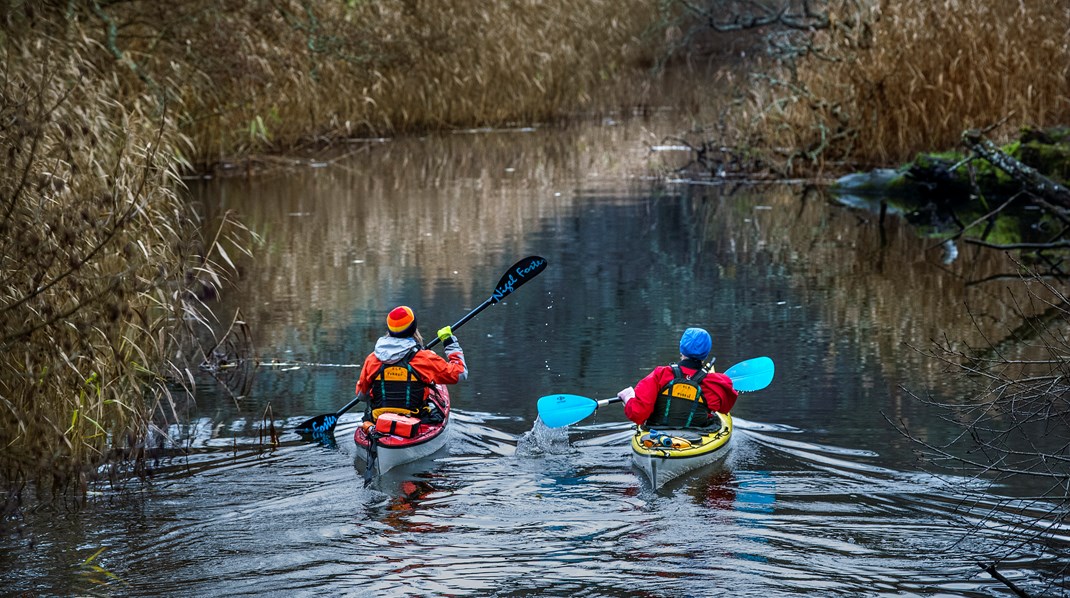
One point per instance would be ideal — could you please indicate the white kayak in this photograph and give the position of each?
(392, 451)
(665, 454)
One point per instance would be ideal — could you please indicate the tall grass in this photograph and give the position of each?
(911, 75)
(100, 257)
(104, 105)
(270, 74)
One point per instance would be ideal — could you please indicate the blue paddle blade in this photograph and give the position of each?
(556, 411)
(752, 374)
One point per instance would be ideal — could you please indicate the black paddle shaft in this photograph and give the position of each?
(518, 274)
(514, 277)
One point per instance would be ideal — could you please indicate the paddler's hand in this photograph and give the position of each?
(449, 342)
(626, 395)
(445, 334)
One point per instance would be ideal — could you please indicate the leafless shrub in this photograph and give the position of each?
(1014, 428)
(846, 84)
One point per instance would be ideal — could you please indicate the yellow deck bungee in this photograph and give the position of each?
(686, 450)
(686, 442)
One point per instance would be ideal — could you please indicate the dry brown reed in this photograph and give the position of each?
(270, 74)
(911, 75)
(103, 105)
(100, 257)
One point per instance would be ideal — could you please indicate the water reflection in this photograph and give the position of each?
(402, 509)
(819, 496)
(738, 498)
(489, 516)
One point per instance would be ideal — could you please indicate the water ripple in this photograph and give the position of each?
(559, 512)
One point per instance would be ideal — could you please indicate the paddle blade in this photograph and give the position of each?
(752, 374)
(518, 274)
(318, 426)
(556, 411)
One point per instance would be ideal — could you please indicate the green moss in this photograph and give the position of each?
(949, 157)
(1052, 160)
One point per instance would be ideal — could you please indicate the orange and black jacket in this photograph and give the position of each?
(400, 374)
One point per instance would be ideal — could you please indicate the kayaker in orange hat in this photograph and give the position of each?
(684, 394)
(399, 375)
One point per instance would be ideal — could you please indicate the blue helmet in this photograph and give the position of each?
(695, 343)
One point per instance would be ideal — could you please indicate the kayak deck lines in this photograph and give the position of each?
(663, 455)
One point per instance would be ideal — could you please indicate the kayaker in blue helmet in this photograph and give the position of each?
(684, 394)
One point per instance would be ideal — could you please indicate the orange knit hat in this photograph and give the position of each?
(401, 322)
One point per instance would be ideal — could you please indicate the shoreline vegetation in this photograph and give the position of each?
(108, 277)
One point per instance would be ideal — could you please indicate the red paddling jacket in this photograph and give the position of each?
(399, 374)
(717, 394)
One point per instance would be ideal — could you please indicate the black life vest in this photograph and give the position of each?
(680, 403)
(398, 386)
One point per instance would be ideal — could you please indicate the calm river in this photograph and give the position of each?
(820, 496)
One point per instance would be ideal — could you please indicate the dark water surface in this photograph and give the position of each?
(820, 496)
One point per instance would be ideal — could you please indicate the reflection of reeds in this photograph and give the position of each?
(909, 76)
(876, 284)
(442, 204)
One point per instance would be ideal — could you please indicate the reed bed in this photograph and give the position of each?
(899, 77)
(83, 198)
(105, 280)
(100, 261)
(270, 75)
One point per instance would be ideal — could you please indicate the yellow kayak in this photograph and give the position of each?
(666, 454)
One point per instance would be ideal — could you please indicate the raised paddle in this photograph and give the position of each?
(322, 426)
(560, 410)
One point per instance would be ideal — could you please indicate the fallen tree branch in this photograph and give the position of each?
(1052, 245)
(1035, 182)
(991, 570)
